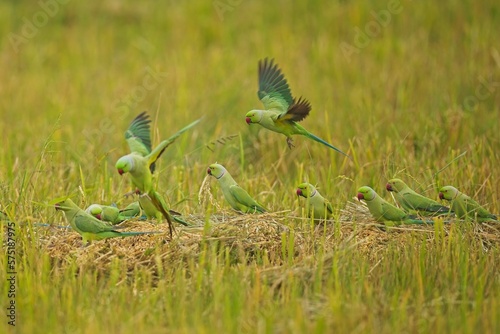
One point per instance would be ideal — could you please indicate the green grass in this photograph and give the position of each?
(399, 106)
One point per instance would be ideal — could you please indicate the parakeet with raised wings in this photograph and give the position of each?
(236, 196)
(282, 111)
(383, 211)
(317, 206)
(464, 206)
(89, 227)
(413, 202)
(140, 163)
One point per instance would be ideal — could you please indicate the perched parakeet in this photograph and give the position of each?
(464, 206)
(89, 227)
(112, 214)
(384, 211)
(282, 111)
(413, 202)
(316, 205)
(140, 163)
(236, 196)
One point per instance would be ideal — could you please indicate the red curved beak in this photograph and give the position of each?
(248, 120)
(58, 206)
(120, 171)
(98, 216)
(360, 196)
(209, 171)
(388, 187)
(441, 196)
(299, 192)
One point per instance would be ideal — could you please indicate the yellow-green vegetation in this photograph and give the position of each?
(407, 89)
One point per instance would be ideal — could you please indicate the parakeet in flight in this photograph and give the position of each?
(140, 163)
(236, 196)
(112, 214)
(413, 202)
(317, 206)
(89, 227)
(464, 206)
(384, 211)
(281, 111)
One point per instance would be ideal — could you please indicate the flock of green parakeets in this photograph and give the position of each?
(281, 114)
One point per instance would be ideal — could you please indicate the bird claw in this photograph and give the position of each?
(289, 141)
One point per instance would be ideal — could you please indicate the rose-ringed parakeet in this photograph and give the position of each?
(464, 206)
(413, 202)
(236, 196)
(383, 211)
(140, 163)
(317, 206)
(112, 214)
(282, 112)
(89, 227)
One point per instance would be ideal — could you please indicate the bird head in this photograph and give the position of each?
(366, 193)
(305, 190)
(95, 210)
(124, 164)
(65, 205)
(253, 116)
(395, 185)
(448, 193)
(216, 170)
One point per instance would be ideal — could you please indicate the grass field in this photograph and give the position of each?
(409, 90)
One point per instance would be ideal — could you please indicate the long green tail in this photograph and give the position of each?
(319, 140)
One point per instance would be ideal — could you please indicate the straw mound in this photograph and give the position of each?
(265, 239)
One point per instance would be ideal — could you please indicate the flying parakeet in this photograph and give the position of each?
(112, 214)
(89, 227)
(236, 196)
(140, 163)
(464, 206)
(384, 211)
(317, 206)
(413, 202)
(282, 111)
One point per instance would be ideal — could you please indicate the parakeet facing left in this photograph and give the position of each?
(89, 227)
(317, 206)
(413, 202)
(282, 112)
(140, 163)
(464, 206)
(236, 196)
(384, 211)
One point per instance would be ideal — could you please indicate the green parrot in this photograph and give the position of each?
(140, 163)
(112, 214)
(152, 212)
(316, 205)
(282, 111)
(89, 227)
(464, 206)
(236, 196)
(413, 202)
(384, 211)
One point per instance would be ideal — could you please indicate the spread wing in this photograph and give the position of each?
(138, 135)
(297, 112)
(273, 87)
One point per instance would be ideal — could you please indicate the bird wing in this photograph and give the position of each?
(273, 87)
(296, 112)
(243, 197)
(419, 202)
(138, 135)
(158, 151)
(89, 224)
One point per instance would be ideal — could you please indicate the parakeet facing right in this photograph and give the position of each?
(236, 196)
(384, 211)
(413, 202)
(112, 214)
(464, 206)
(317, 206)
